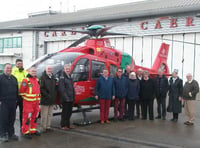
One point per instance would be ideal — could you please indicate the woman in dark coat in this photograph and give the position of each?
(147, 94)
(175, 95)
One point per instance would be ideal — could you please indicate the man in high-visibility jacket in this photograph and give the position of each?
(30, 92)
(20, 73)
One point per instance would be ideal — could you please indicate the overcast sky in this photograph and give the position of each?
(17, 9)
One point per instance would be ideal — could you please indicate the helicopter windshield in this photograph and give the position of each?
(56, 60)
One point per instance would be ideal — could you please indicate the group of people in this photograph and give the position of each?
(136, 91)
(129, 92)
(19, 88)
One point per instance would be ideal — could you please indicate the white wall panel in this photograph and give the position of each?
(61, 45)
(197, 59)
(119, 44)
(137, 50)
(157, 40)
(188, 55)
(128, 45)
(147, 50)
(177, 53)
(112, 42)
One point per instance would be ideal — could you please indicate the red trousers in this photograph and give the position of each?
(30, 113)
(119, 106)
(104, 109)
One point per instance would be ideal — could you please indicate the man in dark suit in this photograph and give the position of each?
(161, 89)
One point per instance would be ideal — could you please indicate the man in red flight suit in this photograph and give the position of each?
(30, 92)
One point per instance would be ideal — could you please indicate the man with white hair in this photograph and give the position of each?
(133, 94)
(67, 95)
(190, 90)
(48, 96)
(138, 102)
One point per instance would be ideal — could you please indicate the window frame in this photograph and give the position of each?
(103, 63)
(1, 47)
(8, 42)
(112, 65)
(80, 73)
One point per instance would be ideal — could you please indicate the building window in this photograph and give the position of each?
(17, 42)
(8, 43)
(12, 42)
(1, 45)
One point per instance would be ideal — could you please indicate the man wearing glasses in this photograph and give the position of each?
(121, 88)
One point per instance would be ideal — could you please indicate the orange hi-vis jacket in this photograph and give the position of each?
(30, 89)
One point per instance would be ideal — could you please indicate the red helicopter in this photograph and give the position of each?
(88, 61)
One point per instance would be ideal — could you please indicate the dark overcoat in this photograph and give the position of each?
(175, 91)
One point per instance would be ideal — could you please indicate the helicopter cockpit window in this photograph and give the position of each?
(113, 70)
(97, 68)
(56, 60)
(81, 70)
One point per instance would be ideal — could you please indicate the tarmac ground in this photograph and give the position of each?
(121, 134)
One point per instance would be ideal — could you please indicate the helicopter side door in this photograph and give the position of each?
(80, 76)
(96, 71)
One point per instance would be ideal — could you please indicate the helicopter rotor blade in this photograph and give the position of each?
(113, 34)
(79, 41)
(102, 31)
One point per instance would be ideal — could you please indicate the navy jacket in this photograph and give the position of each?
(133, 89)
(8, 88)
(121, 87)
(104, 88)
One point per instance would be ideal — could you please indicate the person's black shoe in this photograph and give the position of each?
(13, 137)
(115, 120)
(144, 118)
(121, 119)
(151, 119)
(28, 136)
(158, 117)
(37, 133)
(163, 118)
(172, 119)
(4, 139)
(137, 117)
(175, 120)
(49, 130)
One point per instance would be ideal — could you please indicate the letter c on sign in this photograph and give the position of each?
(142, 26)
